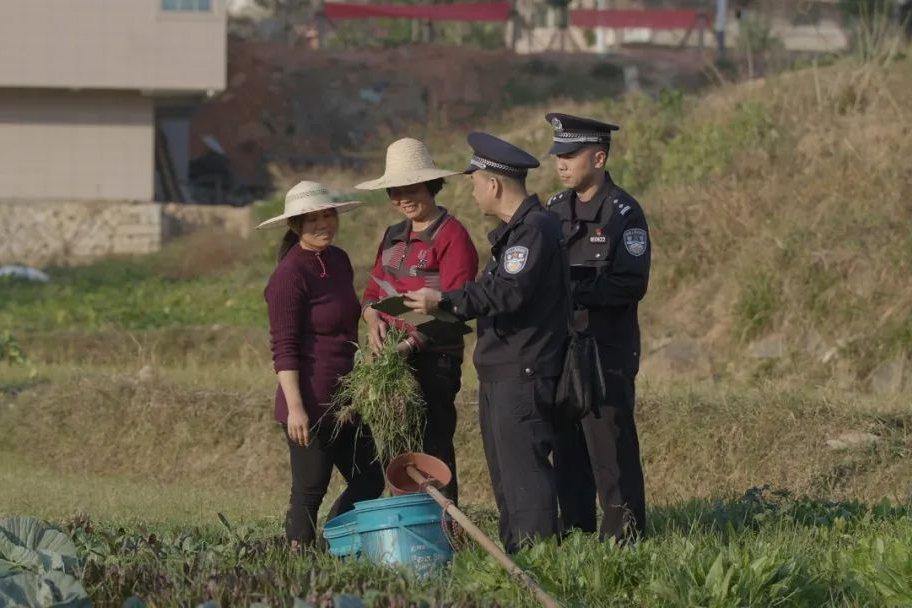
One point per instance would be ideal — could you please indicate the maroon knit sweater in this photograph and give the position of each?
(313, 321)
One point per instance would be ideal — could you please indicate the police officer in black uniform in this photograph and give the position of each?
(609, 253)
(520, 303)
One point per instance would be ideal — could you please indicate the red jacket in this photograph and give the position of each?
(441, 257)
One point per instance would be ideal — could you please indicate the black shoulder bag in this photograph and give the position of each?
(581, 387)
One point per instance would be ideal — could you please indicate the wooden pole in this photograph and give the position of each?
(320, 19)
(486, 543)
(601, 46)
(516, 25)
(701, 27)
(721, 10)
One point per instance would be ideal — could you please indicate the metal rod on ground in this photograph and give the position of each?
(486, 543)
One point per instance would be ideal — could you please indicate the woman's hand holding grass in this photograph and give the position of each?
(405, 348)
(382, 393)
(376, 329)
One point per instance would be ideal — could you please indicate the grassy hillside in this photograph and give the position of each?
(778, 208)
(779, 212)
(777, 333)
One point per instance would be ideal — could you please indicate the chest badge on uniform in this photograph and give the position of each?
(598, 237)
(515, 259)
(636, 241)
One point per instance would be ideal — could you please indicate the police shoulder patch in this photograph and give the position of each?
(636, 241)
(515, 259)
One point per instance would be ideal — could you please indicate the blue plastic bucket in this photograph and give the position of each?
(404, 530)
(341, 532)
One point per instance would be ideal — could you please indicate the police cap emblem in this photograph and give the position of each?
(515, 259)
(556, 123)
(636, 241)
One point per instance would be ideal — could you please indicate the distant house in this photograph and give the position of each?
(95, 94)
(806, 26)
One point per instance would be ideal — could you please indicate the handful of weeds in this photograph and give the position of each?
(382, 393)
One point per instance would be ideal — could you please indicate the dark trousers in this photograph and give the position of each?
(602, 455)
(440, 377)
(518, 437)
(311, 470)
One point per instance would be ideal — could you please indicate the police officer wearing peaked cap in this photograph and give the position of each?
(520, 303)
(609, 252)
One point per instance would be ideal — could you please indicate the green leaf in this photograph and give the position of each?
(50, 590)
(8, 568)
(33, 545)
(224, 521)
(714, 577)
(19, 590)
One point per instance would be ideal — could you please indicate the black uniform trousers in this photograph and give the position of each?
(439, 376)
(602, 455)
(518, 437)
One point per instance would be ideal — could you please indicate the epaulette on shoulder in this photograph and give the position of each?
(560, 196)
(624, 204)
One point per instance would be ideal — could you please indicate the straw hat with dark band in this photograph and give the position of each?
(408, 162)
(307, 197)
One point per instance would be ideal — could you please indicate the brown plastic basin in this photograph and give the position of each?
(432, 468)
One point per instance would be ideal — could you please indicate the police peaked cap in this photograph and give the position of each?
(572, 132)
(498, 156)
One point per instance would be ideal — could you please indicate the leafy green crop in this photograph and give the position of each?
(10, 351)
(764, 548)
(38, 565)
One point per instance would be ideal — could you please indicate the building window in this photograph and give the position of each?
(186, 5)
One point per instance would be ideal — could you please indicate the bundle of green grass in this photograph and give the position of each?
(382, 394)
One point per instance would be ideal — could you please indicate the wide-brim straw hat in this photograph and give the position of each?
(307, 197)
(408, 161)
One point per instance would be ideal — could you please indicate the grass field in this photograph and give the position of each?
(759, 550)
(777, 208)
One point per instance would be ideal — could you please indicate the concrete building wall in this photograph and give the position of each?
(111, 44)
(65, 233)
(68, 232)
(76, 145)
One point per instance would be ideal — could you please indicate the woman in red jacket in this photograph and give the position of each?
(313, 322)
(429, 248)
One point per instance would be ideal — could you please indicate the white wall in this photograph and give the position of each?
(111, 44)
(76, 146)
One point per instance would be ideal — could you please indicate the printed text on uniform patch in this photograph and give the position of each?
(636, 241)
(515, 259)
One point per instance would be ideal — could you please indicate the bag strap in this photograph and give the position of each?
(568, 290)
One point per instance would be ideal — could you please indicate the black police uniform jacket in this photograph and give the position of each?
(519, 298)
(609, 253)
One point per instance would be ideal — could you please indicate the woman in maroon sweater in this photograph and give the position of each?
(313, 321)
